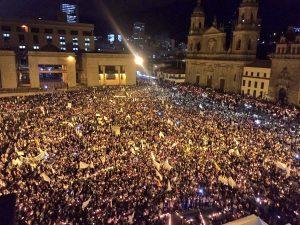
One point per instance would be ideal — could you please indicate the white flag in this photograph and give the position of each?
(159, 175)
(169, 188)
(45, 177)
(83, 165)
(166, 165)
(161, 135)
(86, 203)
(231, 182)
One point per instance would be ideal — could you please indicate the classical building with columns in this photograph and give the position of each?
(210, 63)
(285, 78)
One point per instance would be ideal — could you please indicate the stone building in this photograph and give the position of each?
(209, 62)
(285, 78)
(8, 74)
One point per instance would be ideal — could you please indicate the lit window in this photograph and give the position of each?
(22, 47)
(87, 39)
(75, 43)
(62, 38)
(63, 49)
(86, 49)
(6, 35)
(75, 49)
(75, 39)
(49, 37)
(36, 47)
(87, 44)
(62, 43)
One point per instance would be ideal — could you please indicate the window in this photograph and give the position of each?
(22, 47)
(35, 39)
(49, 37)
(21, 38)
(75, 49)
(254, 93)
(74, 32)
(255, 84)
(48, 31)
(243, 92)
(244, 83)
(261, 94)
(262, 85)
(100, 71)
(248, 92)
(87, 33)
(6, 28)
(257, 74)
(62, 38)
(61, 32)
(87, 39)
(75, 39)
(122, 69)
(36, 47)
(265, 75)
(62, 43)
(6, 36)
(63, 49)
(86, 49)
(22, 28)
(252, 74)
(246, 73)
(249, 45)
(35, 30)
(238, 45)
(198, 46)
(249, 83)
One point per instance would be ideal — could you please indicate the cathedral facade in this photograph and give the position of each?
(209, 62)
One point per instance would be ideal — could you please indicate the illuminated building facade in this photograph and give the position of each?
(209, 63)
(71, 11)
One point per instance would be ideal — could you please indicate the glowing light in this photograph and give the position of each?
(139, 60)
(46, 87)
(71, 58)
(258, 122)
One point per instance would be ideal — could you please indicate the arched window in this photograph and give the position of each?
(198, 46)
(243, 18)
(249, 45)
(191, 47)
(238, 45)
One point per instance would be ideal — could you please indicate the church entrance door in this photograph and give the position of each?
(222, 85)
(197, 80)
(209, 81)
(282, 96)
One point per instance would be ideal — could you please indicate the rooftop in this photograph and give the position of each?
(260, 64)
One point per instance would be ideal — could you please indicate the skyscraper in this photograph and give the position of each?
(71, 11)
(138, 31)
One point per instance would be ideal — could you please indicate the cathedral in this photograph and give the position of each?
(210, 61)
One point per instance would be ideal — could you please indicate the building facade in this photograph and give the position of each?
(8, 74)
(174, 75)
(71, 12)
(256, 78)
(34, 35)
(285, 78)
(101, 69)
(209, 62)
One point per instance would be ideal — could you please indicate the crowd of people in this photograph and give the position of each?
(129, 155)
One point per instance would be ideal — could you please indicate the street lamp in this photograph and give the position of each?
(139, 60)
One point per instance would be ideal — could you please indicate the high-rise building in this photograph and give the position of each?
(71, 11)
(138, 31)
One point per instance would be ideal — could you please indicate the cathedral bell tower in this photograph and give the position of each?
(247, 29)
(196, 28)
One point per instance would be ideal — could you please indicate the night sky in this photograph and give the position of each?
(171, 16)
